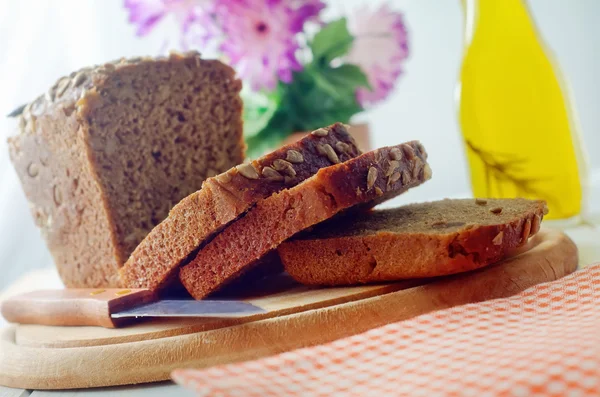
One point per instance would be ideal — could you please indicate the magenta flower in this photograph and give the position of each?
(305, 11)
(261, 37)
(193, 17)
(380, 48)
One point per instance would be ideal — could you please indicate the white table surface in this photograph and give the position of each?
(587, 238)
(152, 390)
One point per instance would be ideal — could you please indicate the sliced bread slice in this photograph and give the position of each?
(366, 179)
(225, 197)
(413, 241)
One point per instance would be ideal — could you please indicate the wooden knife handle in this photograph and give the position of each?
(74, 306)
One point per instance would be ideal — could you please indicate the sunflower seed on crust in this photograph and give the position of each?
(405, 177)
(409, 152)
(342, 147)
(371, 177)
(378, 191)
(247, 171)
(62, 86)
(271, 174)
(284, 166)
(79, 79)
(422, 150)
(393, 166)
(327, 150)
(395, 154)
(394, 177)
(281, 165)
(427, 172)
(294, 156)
(320, 132)
(417, 168)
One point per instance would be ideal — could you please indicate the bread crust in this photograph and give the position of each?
(69, 148)
(367, 179)
(385, 255)
(224, 198)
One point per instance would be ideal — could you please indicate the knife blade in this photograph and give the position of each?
(112, 308)
(191, 308)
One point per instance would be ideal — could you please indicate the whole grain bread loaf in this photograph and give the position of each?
(108, 150)
(414, 241)
(225, 197)
(367, 179)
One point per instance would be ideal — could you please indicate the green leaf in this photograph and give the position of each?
(328, 87)
(259, 108)
(315, 98)
(333, 41)
(279, 127)
(318, 96)
(346, 77)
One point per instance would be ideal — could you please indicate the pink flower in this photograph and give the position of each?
(261, 37)
(193, 16)
(380, 48)
(305, 11)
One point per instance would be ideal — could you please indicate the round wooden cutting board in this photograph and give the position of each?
(41, 357)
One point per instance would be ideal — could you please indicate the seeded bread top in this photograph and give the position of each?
(288, 165)
(438, 217)
(371, 177)
(223, 198)
(72, 92)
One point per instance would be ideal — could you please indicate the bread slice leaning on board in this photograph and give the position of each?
(414, 241)
(367, 179)
(225, 197)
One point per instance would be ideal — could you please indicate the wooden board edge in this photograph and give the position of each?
(32, 335)
(153, 360)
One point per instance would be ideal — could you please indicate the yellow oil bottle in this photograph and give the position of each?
(516, 118)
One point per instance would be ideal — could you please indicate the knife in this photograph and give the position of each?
(112, 308)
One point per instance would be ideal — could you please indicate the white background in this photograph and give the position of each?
(41, 40)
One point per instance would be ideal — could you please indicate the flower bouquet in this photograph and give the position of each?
(300, 72)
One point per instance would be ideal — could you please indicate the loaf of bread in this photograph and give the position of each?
(414, 241)
(367, 179)
(224, 198)
(107, 151)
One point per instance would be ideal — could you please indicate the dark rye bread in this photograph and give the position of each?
(225, 197)
(367, 179)
(414, 241)
(108, 150)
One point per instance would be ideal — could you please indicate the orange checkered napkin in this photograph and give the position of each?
(542, 342)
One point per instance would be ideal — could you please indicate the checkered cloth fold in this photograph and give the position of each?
(544, 341)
